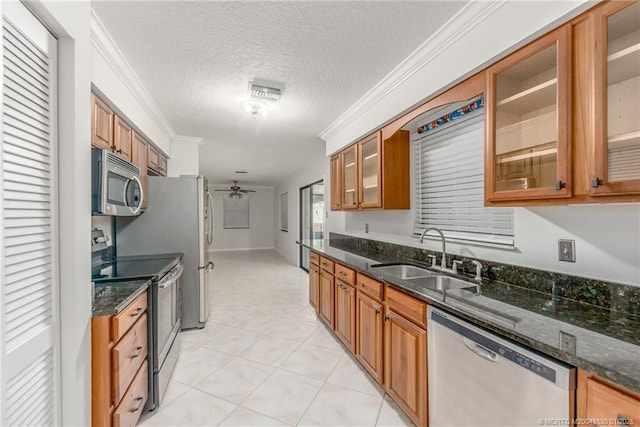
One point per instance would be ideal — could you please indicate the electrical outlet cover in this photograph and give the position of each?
(566, 250)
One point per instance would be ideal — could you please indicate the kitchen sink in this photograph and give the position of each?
(441, 283)
(403, 271)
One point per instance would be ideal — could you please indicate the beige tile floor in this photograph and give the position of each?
(264, 358)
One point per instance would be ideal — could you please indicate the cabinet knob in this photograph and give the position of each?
(139, 400)
(119, 151)
(595, 182)
(377, 311)
(137, 352)
(560, 185)
(386, 317)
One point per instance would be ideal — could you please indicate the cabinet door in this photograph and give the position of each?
(369, 179)
(139, 158)
(336, 183)
(406, 366)
(345, 322)
(528, 129)
(101, 124)
(597, 400)
(162, 167)
(326, 298)
(122, 138)
(616, 163)
(369, 335)
(349, 160)
(314, 278)
(153, 159)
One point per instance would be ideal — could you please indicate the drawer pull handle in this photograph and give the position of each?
(342, 273)
(386, 317)
(137, 311)
(137, 353)
(138, 399)
(377, 311)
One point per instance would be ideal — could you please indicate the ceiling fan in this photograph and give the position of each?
(236, 192)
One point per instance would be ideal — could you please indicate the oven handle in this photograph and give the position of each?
(171, 277)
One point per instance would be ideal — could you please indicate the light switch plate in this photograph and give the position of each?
(567, 250)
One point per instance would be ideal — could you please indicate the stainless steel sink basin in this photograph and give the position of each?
(403, 271)
(441, 283)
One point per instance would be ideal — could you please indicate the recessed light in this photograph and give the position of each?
(255, 108)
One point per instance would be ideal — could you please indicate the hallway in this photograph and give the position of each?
(264, 359)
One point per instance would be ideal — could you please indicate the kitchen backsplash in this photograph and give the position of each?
(610, 295)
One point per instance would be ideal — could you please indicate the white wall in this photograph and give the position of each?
(317, 168)
(261, 221)
(185, 156)
(70, 22)
(113, 77)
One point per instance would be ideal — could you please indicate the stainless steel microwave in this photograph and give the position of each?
(115, 185)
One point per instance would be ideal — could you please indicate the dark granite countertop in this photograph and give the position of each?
(110, 298)
(608, 341)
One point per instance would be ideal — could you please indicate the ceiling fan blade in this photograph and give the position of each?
(247, 191)
(221, 190)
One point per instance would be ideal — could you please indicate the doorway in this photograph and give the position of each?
(311, 217)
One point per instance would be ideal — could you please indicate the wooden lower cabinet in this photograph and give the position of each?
(405, 364)
(598, 400)
(119, 370)
(345, 314)
(314, 278)
(326, 297)
(369, 335)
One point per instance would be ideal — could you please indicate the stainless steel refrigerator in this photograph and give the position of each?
(179, 218)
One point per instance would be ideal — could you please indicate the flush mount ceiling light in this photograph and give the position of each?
(264, 92)
(255, 108)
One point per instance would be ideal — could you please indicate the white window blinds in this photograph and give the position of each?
(236, 212)
(449, 181)
(29, 363)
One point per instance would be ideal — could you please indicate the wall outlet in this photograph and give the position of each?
(567, 250)
(568, 342)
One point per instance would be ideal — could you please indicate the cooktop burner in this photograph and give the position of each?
(129, 267)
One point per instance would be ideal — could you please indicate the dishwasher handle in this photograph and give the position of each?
(480, 351)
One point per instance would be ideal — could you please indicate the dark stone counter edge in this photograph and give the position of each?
(121, 305)
(624, 380)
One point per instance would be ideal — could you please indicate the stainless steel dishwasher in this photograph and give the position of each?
(479, 379)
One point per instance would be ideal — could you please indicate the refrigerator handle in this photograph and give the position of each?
(210, 219)
(207, 268)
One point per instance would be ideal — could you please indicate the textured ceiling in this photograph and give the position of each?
(196, 59)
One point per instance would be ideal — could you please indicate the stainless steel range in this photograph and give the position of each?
(164, 305)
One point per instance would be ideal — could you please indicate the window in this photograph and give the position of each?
(236, 212)
(449, 177)
(284, 212)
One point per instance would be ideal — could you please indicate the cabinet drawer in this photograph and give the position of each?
(605, 402)
(411, 308)
(314, 258)
(345, 274)
(123, 321)
(127, 356)
(130, 408)
(326, 264)
(371, 287)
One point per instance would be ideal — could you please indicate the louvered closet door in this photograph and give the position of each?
(29, 354)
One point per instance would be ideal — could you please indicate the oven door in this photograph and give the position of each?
(167, 314)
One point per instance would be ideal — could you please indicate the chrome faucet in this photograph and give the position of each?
(443, 263)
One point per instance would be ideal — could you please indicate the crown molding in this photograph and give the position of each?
(472, 14)
(179, 139)
(105, 46)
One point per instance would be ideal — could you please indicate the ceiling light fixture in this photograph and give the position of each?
(264, 92)
(255, 108)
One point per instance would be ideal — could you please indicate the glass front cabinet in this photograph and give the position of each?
(616, 162)
(369, 173)
(349, 161)
(528, 132)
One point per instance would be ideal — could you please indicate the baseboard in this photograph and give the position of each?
(242, 249)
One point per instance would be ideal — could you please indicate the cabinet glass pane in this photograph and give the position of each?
(369, 153)
(526, 123)
(623, 93)
(350, 179)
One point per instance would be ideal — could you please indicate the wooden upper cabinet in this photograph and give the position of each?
(162, 169)
(528, 102)
(616, 162)
(139, 158)
(336, 182)
(123, 137)
(349, 161)
(101, 124)
(153, 159)
(369, 172)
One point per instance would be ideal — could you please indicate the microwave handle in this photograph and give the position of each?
(135, 209)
